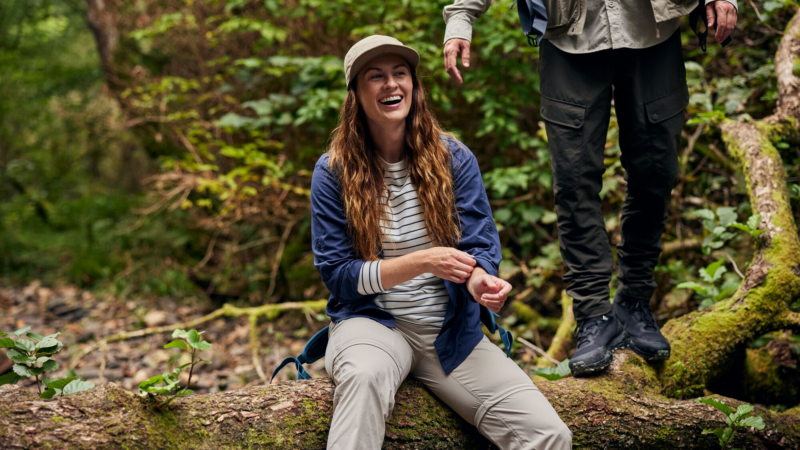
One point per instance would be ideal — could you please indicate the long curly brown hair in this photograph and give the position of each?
(353, 157)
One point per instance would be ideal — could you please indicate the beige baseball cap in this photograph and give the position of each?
(372, 47)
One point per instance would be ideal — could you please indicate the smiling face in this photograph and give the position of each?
(385, 90)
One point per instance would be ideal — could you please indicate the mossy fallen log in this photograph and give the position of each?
(616, 410)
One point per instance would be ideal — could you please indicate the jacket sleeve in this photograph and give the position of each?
(346, 277)
(460, 16)
(479, 235)
(732, 2)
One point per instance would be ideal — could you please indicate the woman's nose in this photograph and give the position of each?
(390, 83)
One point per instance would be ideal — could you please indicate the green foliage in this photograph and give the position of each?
(554, 373)
(160, 386)
(741, 418)
(33, 354)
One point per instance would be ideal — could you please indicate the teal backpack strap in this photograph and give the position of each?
(505, 335)
(313, 351)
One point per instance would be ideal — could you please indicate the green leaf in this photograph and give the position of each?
(713, 271)
(35, 337)
(50, 350)
(716, 404)
(25, 345)
(178, 343)
(739, 226)
(17, 356)
(727, 215)
(718, 231)
(76, 386)
(700, 289)
(9, 378)
(180, 334)
(19, 332)
(757, 233)
(6, 343)
(756, 422)
(183, 392)
(193, 337)
(727, 435)
(554, 373)
(48, 393)
(706, 214)
(47, 342)
(709, 225)
(744, 409)
(145, 385)
(25, 371)
(753, 221)
(716, 431)
(50, 366)
(202, 345)
(60, 383)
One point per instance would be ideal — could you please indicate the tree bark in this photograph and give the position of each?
(616, 410)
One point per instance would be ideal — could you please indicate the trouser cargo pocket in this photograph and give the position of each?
(565, 136)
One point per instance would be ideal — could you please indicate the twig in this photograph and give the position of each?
(537, 350)
(102, 374)
(755, 8)
(270, 311)
(278, 257)
(563, 336)
(735, 267)
(209, 253)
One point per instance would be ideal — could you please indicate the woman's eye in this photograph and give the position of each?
(374, 77)
(399, 74)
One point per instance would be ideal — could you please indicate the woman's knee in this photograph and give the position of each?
(366, 366)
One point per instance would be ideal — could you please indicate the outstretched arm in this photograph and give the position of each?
(459, 18)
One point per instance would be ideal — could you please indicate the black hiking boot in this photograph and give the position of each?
(646, 339)
(598, 338)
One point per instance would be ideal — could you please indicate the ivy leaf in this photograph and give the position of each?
(76, 386)
(756, 422)
(6, 343)
(9, 378)
(50, 366)
(716, 404)
(178, 343)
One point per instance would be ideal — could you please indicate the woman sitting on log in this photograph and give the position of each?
(404, 239)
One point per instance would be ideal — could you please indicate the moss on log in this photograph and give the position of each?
(616, 410)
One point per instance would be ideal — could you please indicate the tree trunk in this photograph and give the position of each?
(617, 410)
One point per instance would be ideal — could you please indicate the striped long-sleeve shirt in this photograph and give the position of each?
(421, 300)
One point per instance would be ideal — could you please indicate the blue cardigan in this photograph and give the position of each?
(339, 266)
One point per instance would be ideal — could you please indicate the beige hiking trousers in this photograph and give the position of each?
(368, 362)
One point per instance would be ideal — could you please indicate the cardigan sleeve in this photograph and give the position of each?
(334, 255)
(479, 235)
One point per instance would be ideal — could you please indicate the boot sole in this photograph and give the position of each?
(581, 368)
(661, 355)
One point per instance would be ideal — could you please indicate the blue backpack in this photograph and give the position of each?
(315, 347)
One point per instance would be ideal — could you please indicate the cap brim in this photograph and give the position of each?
(407, 53)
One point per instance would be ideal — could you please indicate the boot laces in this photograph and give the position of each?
(642, 314)
(590, 328)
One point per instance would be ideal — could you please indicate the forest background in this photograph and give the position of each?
(177, 166)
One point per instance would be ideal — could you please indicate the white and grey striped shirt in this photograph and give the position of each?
(422, 300)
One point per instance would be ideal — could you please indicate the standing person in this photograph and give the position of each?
(593, 51)
(403, 238)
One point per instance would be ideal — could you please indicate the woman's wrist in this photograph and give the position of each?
(477, 272)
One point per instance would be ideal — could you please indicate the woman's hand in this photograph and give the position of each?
(448, 263)
(488, 290)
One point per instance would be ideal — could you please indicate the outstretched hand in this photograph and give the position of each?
(489, 290)
(722, 16)
(451, 50)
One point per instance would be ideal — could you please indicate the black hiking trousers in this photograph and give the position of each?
(650, 95)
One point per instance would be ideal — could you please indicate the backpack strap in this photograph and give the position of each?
(487, 317)
(532, 19)
(312, 352)
(694, 21)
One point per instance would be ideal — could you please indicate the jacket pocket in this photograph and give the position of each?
(565, 137)
(670, 105)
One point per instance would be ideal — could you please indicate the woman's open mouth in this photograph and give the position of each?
(392, 100)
